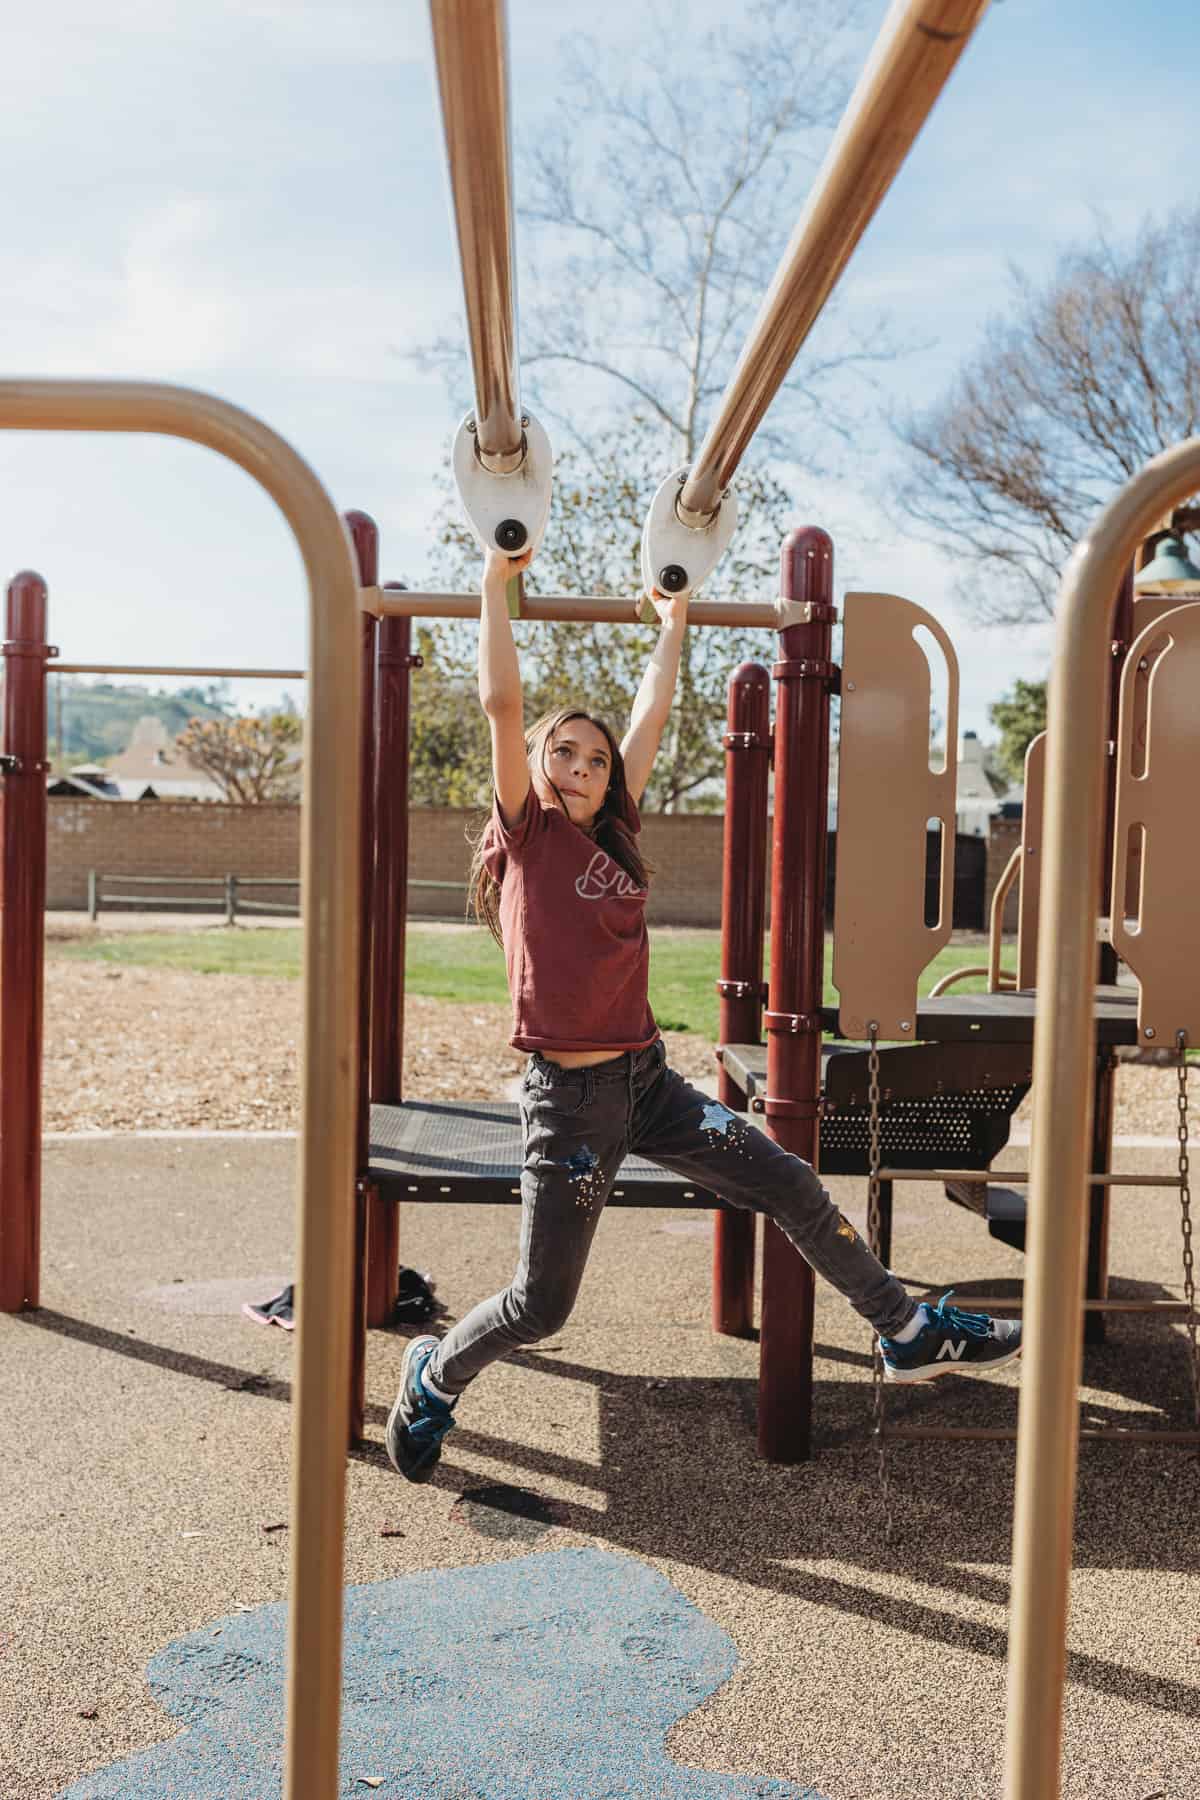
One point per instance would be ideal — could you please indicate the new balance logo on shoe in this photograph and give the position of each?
(951, 1340)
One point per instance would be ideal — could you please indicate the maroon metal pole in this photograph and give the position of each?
(793, 1022)
(391, 905)
(364, 537)
(22, 926)
(743, 918)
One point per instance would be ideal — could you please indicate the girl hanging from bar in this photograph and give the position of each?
(560, 880)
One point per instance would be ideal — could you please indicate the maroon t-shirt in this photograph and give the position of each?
(574, 930)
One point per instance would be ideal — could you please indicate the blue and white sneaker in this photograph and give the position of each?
(951, 1341)
(418, 1421)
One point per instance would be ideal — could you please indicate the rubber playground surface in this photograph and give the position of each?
(604, 1592)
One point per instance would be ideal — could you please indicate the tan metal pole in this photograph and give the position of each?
(914, 55)
(69, 668)
(1062, 1105)
(471, 52)
(329, 871)
(390, 603)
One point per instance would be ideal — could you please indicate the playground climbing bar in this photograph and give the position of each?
(329, 869)
(914, 56)
(470, 49)
(604, 609)
(191, 671)
(1048, 1430)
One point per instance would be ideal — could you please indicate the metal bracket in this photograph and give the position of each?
(741, 990)
(506, 510)
(410, 660)
(746, 740)
(806, 668)
(24, 647)
(9, 765)
(787, 1109)
(803, 612)
(795, 1023)
(678, 551)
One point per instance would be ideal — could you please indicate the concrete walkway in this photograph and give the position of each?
(604, 1591)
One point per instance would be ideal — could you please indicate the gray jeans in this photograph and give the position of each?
(579, 1126)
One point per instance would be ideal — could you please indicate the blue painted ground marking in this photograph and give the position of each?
(550, 1677)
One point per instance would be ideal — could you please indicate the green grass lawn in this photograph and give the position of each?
(457, 963)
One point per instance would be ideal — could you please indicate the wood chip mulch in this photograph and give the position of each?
(145, 1049)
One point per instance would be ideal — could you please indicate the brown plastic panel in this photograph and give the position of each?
(1031, 862)
(1157, 766)
(1149, 607)
(886, 793)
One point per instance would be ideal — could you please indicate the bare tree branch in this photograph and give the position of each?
(589, 362)
(1065, 399)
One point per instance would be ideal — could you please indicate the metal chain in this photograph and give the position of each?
(1185, 1221)
(874, 1234)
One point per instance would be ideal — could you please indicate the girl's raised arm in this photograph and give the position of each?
(652, 705)
(500, 684)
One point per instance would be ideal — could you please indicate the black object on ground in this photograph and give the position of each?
(279, 1310)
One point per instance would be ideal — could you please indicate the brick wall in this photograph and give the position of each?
(164, 837)
(684, 851)
(161, 837)
(157, 837)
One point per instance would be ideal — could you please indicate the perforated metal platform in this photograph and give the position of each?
(1009, 1018)
(941, 1105)
(470, 1151)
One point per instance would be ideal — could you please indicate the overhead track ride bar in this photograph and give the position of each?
(502, 458)
(917, 49)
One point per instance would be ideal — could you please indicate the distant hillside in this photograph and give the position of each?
(97, 718)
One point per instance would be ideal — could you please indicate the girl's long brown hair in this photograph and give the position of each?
(609, 830)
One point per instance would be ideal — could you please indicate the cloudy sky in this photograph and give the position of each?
(247, 196)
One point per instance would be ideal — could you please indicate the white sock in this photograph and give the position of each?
(908, 1332)
(431, 1387)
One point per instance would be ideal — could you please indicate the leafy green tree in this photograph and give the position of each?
(450, 748)
(1020, 715)
(252, 760)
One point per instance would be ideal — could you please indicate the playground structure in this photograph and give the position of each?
(960, 1065)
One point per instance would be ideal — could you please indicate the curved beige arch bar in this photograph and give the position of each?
(329, 872)
(1047, 1439)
